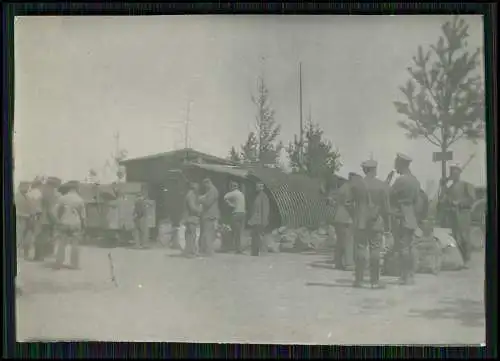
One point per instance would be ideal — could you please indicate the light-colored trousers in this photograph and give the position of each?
(68, 236)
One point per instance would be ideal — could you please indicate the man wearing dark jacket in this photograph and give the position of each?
(259, 218)
(141, 221)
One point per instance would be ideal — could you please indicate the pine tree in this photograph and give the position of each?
(262, 146)
(445, 94)
(319, 158)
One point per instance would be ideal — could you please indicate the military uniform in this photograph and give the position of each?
(461, 195)
(371, 198)
(342, 222)
(404, 198)
(191, 221)
(209, 216)
(45, 245)
(35, 224)
(141, 222)
(70, 211)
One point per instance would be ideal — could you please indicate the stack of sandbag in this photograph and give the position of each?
(287, 239)
(304, 240)
(451, 256)
(429, 255)
(273, 241)
(427, 249)
(319, 239)
(477, 239)
(164, 233)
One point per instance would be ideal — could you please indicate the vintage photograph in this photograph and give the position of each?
(250, 179)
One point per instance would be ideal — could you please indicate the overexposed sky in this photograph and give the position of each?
(78, 80)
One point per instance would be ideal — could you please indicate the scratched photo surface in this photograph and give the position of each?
(250, 179)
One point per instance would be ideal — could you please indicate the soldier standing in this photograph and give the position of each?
(371, 197)
(236, 200)
(342, 222)
(34, 240)
(48, 220)
(404, 198)
(23, 218)
(259, 219)
(141, 221)
(209, 217)
(70, 210)
(460, 196)
(191, 219)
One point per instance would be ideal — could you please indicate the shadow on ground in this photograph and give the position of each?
(470, 313)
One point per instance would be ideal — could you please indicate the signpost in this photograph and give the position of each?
(442, 156)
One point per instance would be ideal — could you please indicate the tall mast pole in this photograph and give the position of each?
(301, 121)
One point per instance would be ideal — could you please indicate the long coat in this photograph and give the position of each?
(404, 198)
(342, 198)
(371, 189)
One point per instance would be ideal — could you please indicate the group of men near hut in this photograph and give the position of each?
(202, 209)
(369, 209)
(366, 210)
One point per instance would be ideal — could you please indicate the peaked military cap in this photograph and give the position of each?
(369, 164)
(403, 157)
(456, 166)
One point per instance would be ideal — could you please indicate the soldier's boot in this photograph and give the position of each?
(405, 265)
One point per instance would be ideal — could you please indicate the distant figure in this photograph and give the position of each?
(461, 195)
(192, 209)
(23, 223)
(259, 218)
(209, 216)
(23, 218)
(35, 196)
(342, 222)
(71, 217)
(50, 196)
(141, 221)
(372, 208)
(236, 200)
(404, 195)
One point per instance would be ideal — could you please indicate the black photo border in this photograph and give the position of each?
(190, 350)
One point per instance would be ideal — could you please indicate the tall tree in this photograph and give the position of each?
(262, 146)
(319, 158)
(234, 155)
(445, 93)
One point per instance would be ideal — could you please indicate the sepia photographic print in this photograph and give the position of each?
(250, 179)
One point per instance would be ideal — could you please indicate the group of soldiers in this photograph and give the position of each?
(202, 209)
(368, 210)
(49, 217)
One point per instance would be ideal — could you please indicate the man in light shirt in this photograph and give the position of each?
(71, 215)
(236, 200)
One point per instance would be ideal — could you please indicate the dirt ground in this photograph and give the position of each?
(275, 298)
